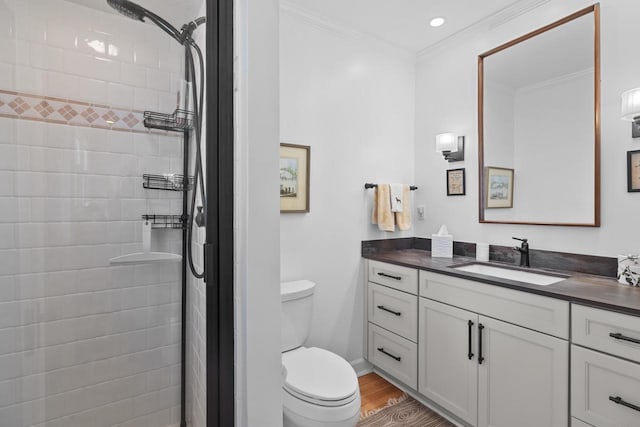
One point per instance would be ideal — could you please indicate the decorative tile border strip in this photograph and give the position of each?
(69, 112)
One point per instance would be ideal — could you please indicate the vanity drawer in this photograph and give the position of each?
(543, 314)
(393, 310)
(596, 381)
(610, 332)
(397, 277)
(394, 355)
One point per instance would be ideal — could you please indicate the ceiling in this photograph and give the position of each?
(405, 23)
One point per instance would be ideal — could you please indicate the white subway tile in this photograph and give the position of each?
(8, 157)
(106, 69)
(146, 56)
(61, 36)
(167, 101)
(6, 183)
(45, 57)
(8, 49)
(171, 62)
(30, 28)
(31, 80)
(158, 80)
(64, 86)
(120, 95)
(7, 236)
(7, 76)
(145, 99)
(170, 146)
(120, 49)
(7, 127)
(95, 91)
(133, 75)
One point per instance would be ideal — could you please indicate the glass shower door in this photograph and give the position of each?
(85, 342)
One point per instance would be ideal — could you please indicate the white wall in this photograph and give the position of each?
(450, 73)
(257, 272)
(352, 100)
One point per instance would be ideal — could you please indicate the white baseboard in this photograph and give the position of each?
(361, 366)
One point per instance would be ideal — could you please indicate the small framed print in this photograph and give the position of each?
(633, 171)
(498, 187)
(455, 182)
(294, 178)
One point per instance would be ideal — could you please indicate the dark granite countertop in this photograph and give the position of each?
(596, 291)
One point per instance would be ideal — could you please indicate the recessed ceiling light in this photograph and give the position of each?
(436, 22)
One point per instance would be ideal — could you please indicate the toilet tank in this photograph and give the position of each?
(297, 303)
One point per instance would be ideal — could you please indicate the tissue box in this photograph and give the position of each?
(441, 246)
(629, 270)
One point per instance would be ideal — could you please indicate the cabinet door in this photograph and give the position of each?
(523, 379)
(447, 363)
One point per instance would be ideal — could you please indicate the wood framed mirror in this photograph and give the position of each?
(539, 116)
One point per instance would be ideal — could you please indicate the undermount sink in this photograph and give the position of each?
(512, 274)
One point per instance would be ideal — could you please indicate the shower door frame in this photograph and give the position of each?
(219, 244)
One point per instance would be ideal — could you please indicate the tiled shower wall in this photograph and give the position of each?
(83, 343)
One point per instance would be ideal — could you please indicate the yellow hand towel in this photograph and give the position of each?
(403, 219)
(382, 214)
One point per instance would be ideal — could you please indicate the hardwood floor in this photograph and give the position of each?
(375, 392)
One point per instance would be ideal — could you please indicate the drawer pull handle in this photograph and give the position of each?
(618, 400)
(470, 352)
(383, 308)
(382, 350)
(480, 358)
(390, 276)
(619, 336)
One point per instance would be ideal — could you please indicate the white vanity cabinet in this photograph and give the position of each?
(488, 372)
(498, 357)
(392, 325)
(605, 387)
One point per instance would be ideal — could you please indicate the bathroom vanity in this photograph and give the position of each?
(489, 351)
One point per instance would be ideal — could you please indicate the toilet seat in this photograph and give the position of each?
(319, 377)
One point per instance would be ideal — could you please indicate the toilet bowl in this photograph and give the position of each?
(320, 388)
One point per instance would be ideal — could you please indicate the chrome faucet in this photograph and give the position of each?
(524, 252)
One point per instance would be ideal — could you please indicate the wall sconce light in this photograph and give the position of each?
(631, 110)
(451, 146)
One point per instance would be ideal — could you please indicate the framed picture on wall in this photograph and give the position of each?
(498, 183)
(294, 178)
(455, 182)
(633, 171)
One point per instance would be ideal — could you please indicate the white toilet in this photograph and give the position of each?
(320, 388)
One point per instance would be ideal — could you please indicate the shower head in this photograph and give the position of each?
(139, 13)
(128, 9)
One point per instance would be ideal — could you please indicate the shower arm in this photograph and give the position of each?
(182, 36)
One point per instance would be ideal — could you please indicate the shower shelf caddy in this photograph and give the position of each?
(179, 121)
(166, 221)
(171, 182)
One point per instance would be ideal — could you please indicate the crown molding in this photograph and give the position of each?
(341, 30)
(489, 23)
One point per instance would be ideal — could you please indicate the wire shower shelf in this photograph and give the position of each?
(166, 221)
(178, 121)
(171, 182)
